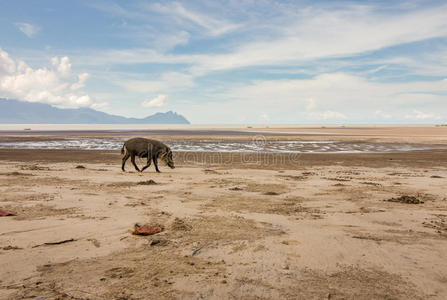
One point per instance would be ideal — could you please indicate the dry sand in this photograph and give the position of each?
(243, 227)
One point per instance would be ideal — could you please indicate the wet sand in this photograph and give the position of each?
(245, 226)
(302, 132)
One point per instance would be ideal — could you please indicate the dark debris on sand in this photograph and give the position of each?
(236, 188)
(271, 194)
(15, 173)
(147, 182)
(405, 199)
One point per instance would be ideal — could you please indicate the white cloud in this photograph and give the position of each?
(169, 41)
(82, 78)
(337, 33)
(339, 96)
(327, 115)
(380, 68)
(7, 65)
(419, 115)
(381, 114)
(62, 65)
(264, 117)
(29, 30)
(340, 89)
(99, 105)
(167, 81)
(311, 33)
(180, 15)
(159, 101)
(212, 25)
(310, 104)
(292, 33)
(52, 86)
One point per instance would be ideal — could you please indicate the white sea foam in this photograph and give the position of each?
(223, 146)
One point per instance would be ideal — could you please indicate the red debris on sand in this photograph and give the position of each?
(147, 230)
(5, 214)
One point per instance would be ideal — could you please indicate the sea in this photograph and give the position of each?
(88, 137)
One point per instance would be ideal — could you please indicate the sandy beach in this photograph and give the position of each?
(235, 226)
(302, 147)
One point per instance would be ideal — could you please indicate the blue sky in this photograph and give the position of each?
(231, 61)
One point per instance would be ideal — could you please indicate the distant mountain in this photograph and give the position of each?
(19, 112)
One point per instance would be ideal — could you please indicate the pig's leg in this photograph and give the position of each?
(125, 158)
(132, 159)
(156, 163)
(148, 164)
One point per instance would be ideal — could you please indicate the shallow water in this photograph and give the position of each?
(226, 146)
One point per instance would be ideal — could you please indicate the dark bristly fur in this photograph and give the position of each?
(151, 149)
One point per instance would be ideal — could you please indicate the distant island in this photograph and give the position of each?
(20, 112)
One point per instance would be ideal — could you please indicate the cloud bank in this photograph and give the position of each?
(58, 86)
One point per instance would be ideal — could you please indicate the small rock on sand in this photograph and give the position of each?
(6, 214)
(146, 229)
